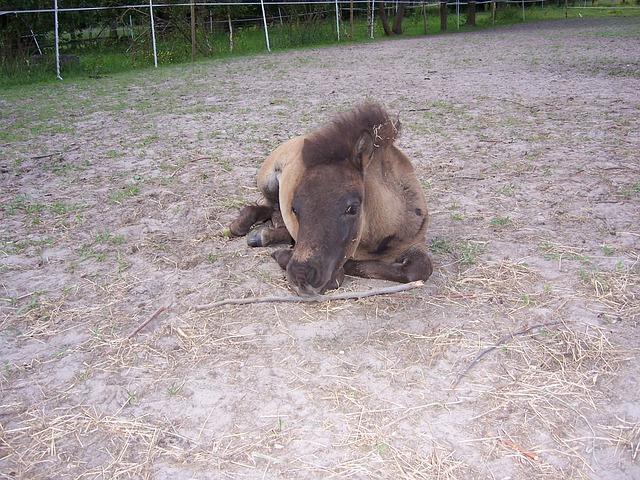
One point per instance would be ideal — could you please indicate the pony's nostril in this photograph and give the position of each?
(308, 291)
(305, 277)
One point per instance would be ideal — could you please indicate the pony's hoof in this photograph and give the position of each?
(254, 237)
(282, 257)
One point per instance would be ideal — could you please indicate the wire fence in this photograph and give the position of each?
(265, 19)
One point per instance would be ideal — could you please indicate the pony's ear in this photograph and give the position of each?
(364, 150)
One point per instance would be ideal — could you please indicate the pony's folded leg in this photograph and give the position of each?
(249, 216)
(412, 265)
(265, 235)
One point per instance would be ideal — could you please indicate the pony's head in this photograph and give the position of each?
(328, 201)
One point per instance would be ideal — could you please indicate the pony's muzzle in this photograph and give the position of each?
(309, 278)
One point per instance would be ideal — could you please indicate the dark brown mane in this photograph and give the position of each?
(336, 141)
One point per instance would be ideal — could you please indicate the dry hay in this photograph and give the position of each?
(544, 391)
(123, 447)
(625, 436)
(373, 427)
(617, 292)
(504, 285)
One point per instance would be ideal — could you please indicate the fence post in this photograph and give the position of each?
(193, 31)
(443, 15)
(266, 30)
(153, 35)
(373, 17)
(471, 13)
(337, 20)
(57, 39)
(424, 16)
(351, 20)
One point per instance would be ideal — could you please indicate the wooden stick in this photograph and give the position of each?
(147, 321)
(518, 448)
(318, 298)
(509, 336)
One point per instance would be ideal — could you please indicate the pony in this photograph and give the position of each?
(347, 199)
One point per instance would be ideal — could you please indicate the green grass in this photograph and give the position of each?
(109, 59)
(12, 247)
(121, 194)
(99, 247)
(464, 251)
(497, 222)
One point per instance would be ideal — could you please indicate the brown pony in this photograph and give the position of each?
(348, 199)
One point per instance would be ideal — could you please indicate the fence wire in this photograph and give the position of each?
(337, 6)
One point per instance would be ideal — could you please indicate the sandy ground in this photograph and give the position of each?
(115, 194)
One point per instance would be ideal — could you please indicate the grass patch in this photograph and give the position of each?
(121, 194)
(108, 58)
(11, 247)
(464, 251)
(99, 245)
(553, 251)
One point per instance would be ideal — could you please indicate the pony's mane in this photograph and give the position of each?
(336, 141)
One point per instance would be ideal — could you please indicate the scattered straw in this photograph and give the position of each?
(521, 331)
(147, 321)
(625, 435)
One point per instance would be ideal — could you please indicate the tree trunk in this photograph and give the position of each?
(383, 19)
(471, 13)
(397, 19)
(113, 29)
(443, 15)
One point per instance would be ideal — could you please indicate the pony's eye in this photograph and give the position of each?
(294, 211)
(352, 210)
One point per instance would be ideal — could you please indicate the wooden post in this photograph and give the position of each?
(351, 19)
(443, 15)
(424, 16)
(471, 13)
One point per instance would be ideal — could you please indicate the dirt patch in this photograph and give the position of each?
(115, 194)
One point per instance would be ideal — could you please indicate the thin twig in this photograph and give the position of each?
(530, 455)
(509, 336)
(50, 155)
(147, 321)
(456, 295)
(318, 298)
(193, 160)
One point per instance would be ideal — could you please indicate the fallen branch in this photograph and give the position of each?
(318, 298)
(147, 321)
(509, 336)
